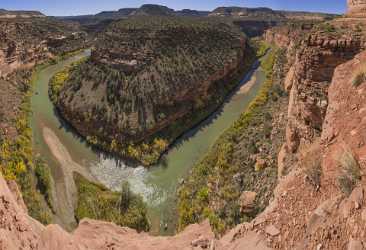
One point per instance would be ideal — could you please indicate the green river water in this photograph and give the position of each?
(157, 184)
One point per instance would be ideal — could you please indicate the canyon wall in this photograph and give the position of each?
(356, 8)
(26, 42)
(303, 215)
(146, 82)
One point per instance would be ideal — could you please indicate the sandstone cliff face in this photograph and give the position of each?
(302, 216)
(356, 8)
(20, 231)
(16, 52)
(318, 215)
(25, 42)
(309, 79)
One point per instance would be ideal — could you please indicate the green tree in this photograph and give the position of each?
(126, 197)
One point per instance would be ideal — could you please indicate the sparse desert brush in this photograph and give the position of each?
(359, 76)
(311, 163)
(351, 172)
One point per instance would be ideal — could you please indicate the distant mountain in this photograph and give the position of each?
(245, 12)
(121, 13)
(188, 12)
(19, 13)
(153, 10)
(144, 10)
(265, 14)
(242, 12)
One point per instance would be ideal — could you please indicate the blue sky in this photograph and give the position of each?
(77, 7)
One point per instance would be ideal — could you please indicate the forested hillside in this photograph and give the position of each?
(149, 79)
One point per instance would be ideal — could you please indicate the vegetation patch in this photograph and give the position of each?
(17, 161)
(214, 186)
(311, 163)
(135, 104)
(351, 172)
(359, 76)
(123, 208)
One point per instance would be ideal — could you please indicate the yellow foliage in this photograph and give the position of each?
(132, 152)
(160, 144)
(20, 168)
(114, 145)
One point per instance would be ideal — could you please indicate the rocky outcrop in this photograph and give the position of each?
(20, 14)
(306, 216)
(19, 231)
(309, 79)
(356, 8)
(264, 13)
(24, 43)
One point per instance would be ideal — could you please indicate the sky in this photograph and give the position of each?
(81, 7)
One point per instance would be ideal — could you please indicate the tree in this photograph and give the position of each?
(126, 197)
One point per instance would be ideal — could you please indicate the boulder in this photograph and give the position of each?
(247, 201)
(272, 230)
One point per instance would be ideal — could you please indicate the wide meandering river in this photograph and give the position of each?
(157, 184)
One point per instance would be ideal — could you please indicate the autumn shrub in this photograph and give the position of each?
(351, 172)
(359, 79)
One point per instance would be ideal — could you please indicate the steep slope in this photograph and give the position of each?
(149, 80)
(321, 203)
(235, 180)
(301, 216)
(24, 43)
(20, 14)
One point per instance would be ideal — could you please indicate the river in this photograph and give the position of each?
(157, 184)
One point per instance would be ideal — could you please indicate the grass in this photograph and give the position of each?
(359, 76)
(97, 202)
(312, 165)
(351, 173)
(211, 181)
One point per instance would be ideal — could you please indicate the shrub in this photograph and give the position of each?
(359, 79)
(44, 184)
(123, 208)
(126, 196)
(327, 27)
(351, 173)
(312, 165)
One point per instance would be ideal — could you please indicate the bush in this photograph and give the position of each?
(44, 184)
(359, 79)
(351, 173)
(97, 202)
(312, 165)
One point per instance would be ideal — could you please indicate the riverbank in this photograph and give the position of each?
(137, 116)
(241, 163)
(66, 201)
(156, 185)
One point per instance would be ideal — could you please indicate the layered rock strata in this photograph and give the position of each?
(356, 8)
